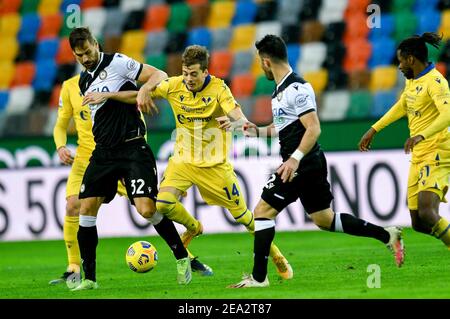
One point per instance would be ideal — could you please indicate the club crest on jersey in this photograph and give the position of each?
(279, 96)
(418, 89)
(102, 75)
(131, 65)
(206, 100)
(181, 98)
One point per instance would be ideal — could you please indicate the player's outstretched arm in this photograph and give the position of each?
(128, 97)
(151, 77)
(366, 140)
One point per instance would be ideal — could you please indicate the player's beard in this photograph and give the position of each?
(92, 64)
(408, 73)
(269, 75)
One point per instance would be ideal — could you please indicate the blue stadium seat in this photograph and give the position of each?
(383, 51)
(66, 3)
(29, 28)
(293, 51)
(429, 20)
(200, 36)
(245, 12)
(47, 49)
(424, 5)
(387, 27)
(3, 100)
(45, 75)
(382, 102)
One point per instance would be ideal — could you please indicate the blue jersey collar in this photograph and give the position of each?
(425, 71)
(207, 80)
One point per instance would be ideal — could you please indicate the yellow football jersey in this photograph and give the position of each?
(422, 101)
(70, 107)
(199, 140)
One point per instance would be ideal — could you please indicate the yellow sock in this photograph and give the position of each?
(168, 205)
(441, 231)
(71, 224)
(191, 255)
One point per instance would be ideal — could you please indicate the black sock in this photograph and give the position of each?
(358, 227)
(261, 249)
(88, 240)
(166, 229)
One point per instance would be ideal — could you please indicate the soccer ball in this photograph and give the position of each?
(141, 256)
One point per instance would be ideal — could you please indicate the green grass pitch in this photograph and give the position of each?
(326, 265)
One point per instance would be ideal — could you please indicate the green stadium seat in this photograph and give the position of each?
(402, 5)
(158, 61)
(264, 86)
(180, 14)
(360, 104)
(28, 6)
(405, 25)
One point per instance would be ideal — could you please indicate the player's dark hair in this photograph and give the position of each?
(79, 36)
(196, 54)
(272, 46)
(416, 45)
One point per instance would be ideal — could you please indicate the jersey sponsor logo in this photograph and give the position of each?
(206, 100)
(190, 119)
(131, 65)
(102, 75)
(300, 99)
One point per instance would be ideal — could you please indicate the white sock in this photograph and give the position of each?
(88, 221)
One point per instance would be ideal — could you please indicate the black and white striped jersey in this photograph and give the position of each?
(292, 98)
(112, 121)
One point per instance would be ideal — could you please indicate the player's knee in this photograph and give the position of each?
(73, 207)
(165, 202)
(146, 211)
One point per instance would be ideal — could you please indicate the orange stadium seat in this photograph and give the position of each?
(243, 37)
(54, 99)
(64, 54)
(50, 26)
(262, 110)
(7, 74)
(197, 2)
(242, 85)
(47, 7)
(10, 25)
(24, 73)
(199, 14)
(358, 53)
(355, 6)
(356, 27)
(156, 17)
(221, 13)
(85, 4)
(10, 6)
(221, 63)
(442, 67)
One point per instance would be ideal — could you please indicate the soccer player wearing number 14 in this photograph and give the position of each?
(303, 173)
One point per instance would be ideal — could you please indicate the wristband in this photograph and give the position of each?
(298, 155)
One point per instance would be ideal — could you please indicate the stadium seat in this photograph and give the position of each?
(383, 78)
(256, 69)
(165, 118)
(312, 57)
(50, 26)
(442, 68)
(87, 4)
(173, 64)
(10, 25)
(434, 54)
(132, 5)
(156, 17)
(20, 99)
(54, 98)
(112, 43)
(335, 54)
(133, 42)
(29, 28)
(245, 12)
(28, 7)
(134, 20)
(243, 37)
(196, 2)
(48, 7)
(4, 96)
(311, 31)
(402, 5)
(354, 6)
(65, 71)
(334, 105)
(262, 111)
(242, 62)
(10, 6)
(334, 32)
(221, 13)
(360, 105)
(337, 79)
(263, 86)
(95, 19)
(7, 74)
(157, 60)
(114, 22)
(246, 104)
(180, 14)
(428, 21)
(267, 11)
(199, 15)
(10, 48)
(156, 42)
(310, 10)
(383, 52)
(355, 27)
(332, 11)
(405, 25)
(382, 102)
(24, 74)
(293, 52)
(45, 74)
(423, 5)
(176, 42)
(388, 23)
(111, 3)
(267, 27)
(47, 49)
(359, 79)
(41, 99)
(220, 63)
(221, 38)
(444, 28)
(64, 54)
(357, 54)
(200, 36)
(288, 11)
(243, 85)
(66, 5)
(291, 33)
(318, 79)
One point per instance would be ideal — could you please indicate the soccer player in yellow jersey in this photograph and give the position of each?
(201, 104)
(425, 101)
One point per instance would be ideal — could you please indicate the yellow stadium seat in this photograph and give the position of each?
(383, 78)
(221, 13)
(47, 7)
(133, 41)
(10, 48)
(318, 79)
(243, 37)
(9, 25)
(256, 69)
(7, 74)
(445, 24)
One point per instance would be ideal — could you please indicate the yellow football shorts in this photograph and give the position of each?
(218, 185)
(79, 166)
(429, 176)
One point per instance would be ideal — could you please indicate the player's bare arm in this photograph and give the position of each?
(312, 125)
(366, 140)
(65, 155)
(252, 130)
(151, 77)
(236, 115)
(128, 97)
